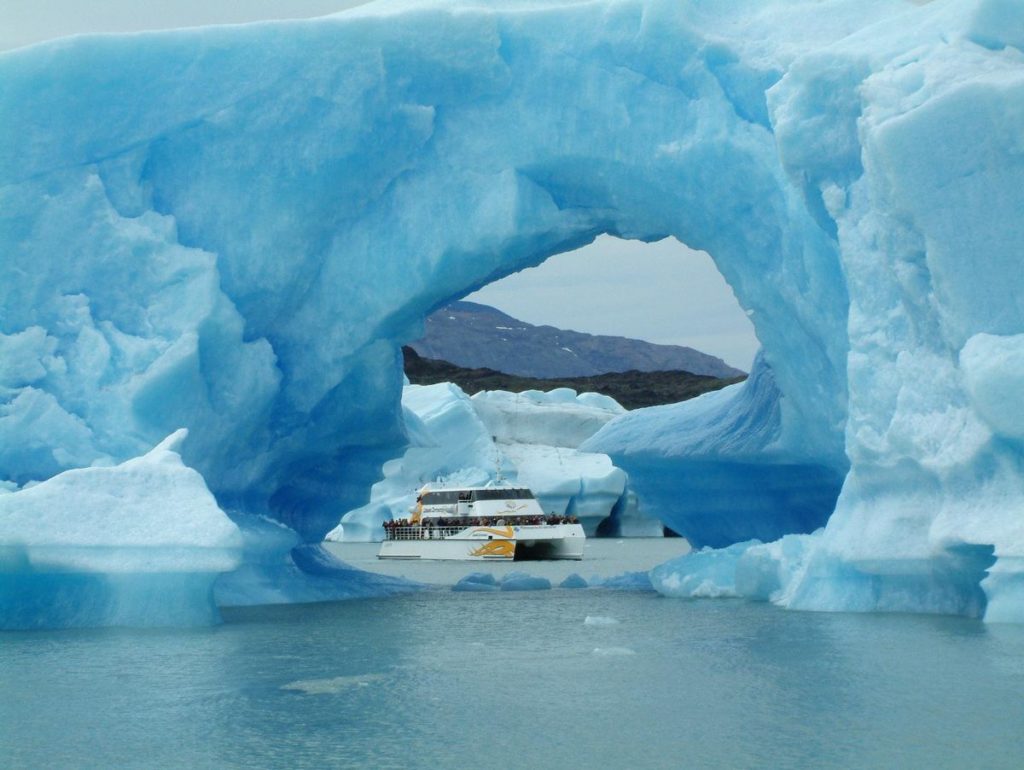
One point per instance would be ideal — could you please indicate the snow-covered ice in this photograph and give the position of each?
(234, 229)
(140, 543)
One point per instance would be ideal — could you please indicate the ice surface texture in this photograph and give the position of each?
(233, 229)
(140, 543)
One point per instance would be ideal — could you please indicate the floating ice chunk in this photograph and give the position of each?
(614, 651)
(149, 514)
(599, 620)
(520, 581)
(139, 543)
(333, 685)
(483, 578)
(574, 581)
(477, 581)
(705, 573)
(470, 587)
(628, 581)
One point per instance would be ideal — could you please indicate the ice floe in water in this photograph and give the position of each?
(520, 581)
(574, 581)
(513, 581)
(477, 581)
(628, 581)
(599, 620)
(614, 651)
(333, 685)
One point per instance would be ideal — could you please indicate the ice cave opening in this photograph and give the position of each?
(531, 430)
(719, 470)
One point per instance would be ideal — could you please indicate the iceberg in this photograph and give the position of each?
(463, 441)
(520, 581)
(140, 543)
(477, 581)
(539, 434)
(234, 229)
(574, 581)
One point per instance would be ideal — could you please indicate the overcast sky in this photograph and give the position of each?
(23, 22)
(661, 292)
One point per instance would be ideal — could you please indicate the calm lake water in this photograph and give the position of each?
(589, 678)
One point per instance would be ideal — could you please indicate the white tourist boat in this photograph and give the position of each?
(495, 522)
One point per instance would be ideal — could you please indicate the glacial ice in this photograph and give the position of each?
(717, 468)
(482, 582)
(627, 581)
(527, 438)
(574, 581)
(233, 230)
(140, 543)
(521, 581)
(478, 582)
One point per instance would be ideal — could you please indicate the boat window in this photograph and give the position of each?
(440, 498)
(503, 494)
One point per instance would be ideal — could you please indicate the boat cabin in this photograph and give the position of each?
(483, 501)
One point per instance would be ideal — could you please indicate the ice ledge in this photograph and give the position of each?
(139, 543)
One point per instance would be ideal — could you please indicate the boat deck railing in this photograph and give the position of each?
(421, 533)
(430, 531)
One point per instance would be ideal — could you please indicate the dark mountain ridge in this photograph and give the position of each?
(632, 389)
(474, 336)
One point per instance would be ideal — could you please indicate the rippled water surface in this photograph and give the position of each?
(552, 679)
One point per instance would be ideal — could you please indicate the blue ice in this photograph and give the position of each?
(241, 250)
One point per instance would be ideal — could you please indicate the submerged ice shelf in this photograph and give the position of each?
(234, 229)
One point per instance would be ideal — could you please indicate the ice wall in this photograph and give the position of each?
(232, 229)
(719, 469)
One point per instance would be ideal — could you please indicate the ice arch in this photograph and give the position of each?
(232, 229)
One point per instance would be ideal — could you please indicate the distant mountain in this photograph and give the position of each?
(631, 389)
(478, 336)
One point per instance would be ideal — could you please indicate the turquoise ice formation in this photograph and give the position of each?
(232, 230)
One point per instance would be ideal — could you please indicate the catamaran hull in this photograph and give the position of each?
(559, 541)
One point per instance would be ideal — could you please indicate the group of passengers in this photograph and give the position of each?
(428, 525)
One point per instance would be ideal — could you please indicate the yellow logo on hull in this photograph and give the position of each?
(505, 549)
(499, 531)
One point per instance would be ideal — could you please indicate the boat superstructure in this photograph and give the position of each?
(481, 523)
